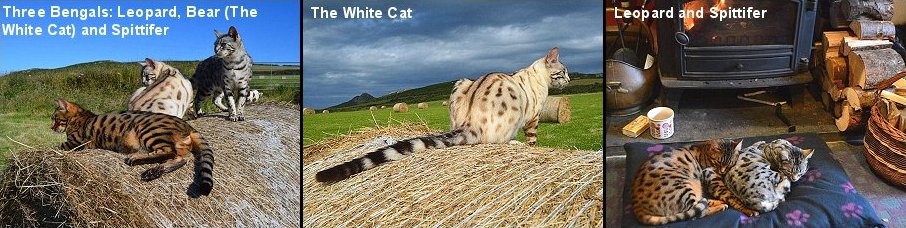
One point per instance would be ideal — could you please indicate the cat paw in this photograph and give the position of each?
(748, 212)
(531, 143)
(130, 161)
(152, 173)
(515, 142)
(235, 118)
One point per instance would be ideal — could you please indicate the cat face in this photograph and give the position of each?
(227, 44)
(794, 162)
(558, 73)
(150, 71)
(64, 113)
(723, 153)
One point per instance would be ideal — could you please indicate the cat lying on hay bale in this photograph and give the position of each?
(92, 187)
(480, 185)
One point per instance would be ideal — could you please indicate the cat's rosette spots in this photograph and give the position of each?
(795, 139)
(812, 175)
(851, 210)
(797, 218)
(743, 219)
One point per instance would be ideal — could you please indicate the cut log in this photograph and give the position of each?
(308, 111)
(836, 70)
(556, 110)
(893, 97)
(851, 120)
(422, 105)
(863, 45)
(831, 39)
(873, 30)
(869, 68)
(838, 109)
(867, 9)
(859, 99)
(401, 107)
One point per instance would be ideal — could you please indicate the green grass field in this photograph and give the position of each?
(584, 131)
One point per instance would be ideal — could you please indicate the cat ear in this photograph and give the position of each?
(233, 33)
(217, 33)
(148, 62)
(808, 153)
(738, 144)
(553, 56)
(61, 104)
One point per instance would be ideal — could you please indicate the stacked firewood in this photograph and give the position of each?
(855, 63)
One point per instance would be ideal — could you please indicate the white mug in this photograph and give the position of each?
(661, 126)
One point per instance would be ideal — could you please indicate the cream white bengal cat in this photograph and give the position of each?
(490, 109)
(166, 90)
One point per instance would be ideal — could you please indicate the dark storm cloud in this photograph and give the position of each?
(342, 58)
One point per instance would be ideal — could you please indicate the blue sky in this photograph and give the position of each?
(444, 41)
(272, 36)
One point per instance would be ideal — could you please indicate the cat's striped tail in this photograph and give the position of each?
(390, 153)
(204, 164)
(696, 211)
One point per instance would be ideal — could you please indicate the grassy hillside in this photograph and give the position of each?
(27, 97)
(584, 131)
(584, 83)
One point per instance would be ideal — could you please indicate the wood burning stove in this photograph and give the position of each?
(705, 52)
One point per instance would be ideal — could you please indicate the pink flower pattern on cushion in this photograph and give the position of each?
(812, 175)
(848, 187)
(795, 139)
(743, 219)
(797, 218)
(652, 150)
(851, 210)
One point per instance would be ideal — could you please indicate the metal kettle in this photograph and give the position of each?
(628, 88)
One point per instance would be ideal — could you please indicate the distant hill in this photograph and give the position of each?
(579, 83)
(365, 97)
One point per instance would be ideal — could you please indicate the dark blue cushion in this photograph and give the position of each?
(824, 197)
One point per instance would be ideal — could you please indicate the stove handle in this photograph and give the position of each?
(681, 38)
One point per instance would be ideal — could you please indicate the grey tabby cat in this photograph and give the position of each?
(762, 176)
(225, 73)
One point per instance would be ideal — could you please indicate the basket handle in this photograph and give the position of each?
(889, 82)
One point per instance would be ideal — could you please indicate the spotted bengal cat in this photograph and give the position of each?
(147, 138)
(490, 109)
(671, 186)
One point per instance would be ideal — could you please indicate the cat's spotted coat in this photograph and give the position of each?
(490, 109)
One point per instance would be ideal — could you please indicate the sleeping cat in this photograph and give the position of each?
(762, 177)
(490, 109)
(226, 73)
(670, 186)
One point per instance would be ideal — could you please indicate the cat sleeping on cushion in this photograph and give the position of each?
(761, 177)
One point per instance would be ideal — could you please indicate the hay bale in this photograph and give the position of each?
(383, 106)
(372, 108)
(444, 103)
(401, 107)
(463, 186)
(308, 111)
(556, 110)
(325, 111)
(422, 105)
(93, 188)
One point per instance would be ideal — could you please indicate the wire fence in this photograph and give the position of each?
(276, 75)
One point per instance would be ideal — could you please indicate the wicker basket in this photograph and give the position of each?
(885, 147)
